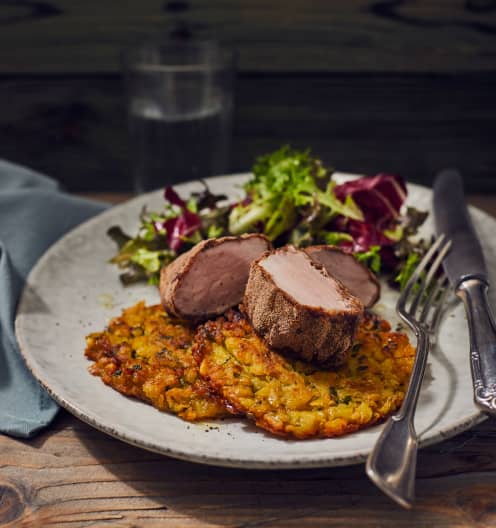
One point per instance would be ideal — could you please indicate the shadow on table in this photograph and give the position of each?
(223, 496)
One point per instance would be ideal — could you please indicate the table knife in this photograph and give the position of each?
(467, 273)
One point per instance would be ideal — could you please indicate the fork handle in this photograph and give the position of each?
(392, 462)
(482, 329)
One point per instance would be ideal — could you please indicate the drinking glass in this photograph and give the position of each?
(180, 100)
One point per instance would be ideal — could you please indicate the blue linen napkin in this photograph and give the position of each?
(33, 215)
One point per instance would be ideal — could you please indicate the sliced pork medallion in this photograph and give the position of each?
(361, 282)
(295, 305)
(211, 277)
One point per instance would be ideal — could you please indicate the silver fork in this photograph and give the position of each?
(392, 463)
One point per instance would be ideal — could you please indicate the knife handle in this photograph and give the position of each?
(482, 329)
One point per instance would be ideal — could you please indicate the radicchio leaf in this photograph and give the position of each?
(205, 199)
(380, 197)
(171, 195)
(183, 225)
(364, 234)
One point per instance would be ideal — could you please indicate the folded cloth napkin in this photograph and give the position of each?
(33, 215)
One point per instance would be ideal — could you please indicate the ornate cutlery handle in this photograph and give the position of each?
(473, 292)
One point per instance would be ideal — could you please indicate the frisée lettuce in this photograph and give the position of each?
(291, 198)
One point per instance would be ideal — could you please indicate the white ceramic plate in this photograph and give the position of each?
(73, 291)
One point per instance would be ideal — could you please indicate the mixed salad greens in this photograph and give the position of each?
(291, 198)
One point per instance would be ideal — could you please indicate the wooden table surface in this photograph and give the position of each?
(72, 475)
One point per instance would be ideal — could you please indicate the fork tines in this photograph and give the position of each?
(425, 292)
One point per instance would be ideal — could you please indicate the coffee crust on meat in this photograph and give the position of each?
(314, 334)
(369, 295)
(173, 276)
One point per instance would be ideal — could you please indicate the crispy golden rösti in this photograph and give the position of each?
(147, 354)
(290, 398)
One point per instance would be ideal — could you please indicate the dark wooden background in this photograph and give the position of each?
(407, 86)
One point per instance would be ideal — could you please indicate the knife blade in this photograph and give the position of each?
(466, 270)
(452, 218)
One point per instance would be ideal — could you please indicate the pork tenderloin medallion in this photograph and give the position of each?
(211, 277)
(295, 305)
(361, 282)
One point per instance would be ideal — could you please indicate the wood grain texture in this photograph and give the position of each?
(73, 475)
(74, 128)
(68, 36)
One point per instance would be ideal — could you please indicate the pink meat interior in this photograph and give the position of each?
(293, 272)
(348, 271)
(218, 277)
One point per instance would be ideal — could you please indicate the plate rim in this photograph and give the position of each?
(306, 461)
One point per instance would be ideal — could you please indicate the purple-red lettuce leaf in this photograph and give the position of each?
(171, 196)
(181, 227)
(380, 198)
